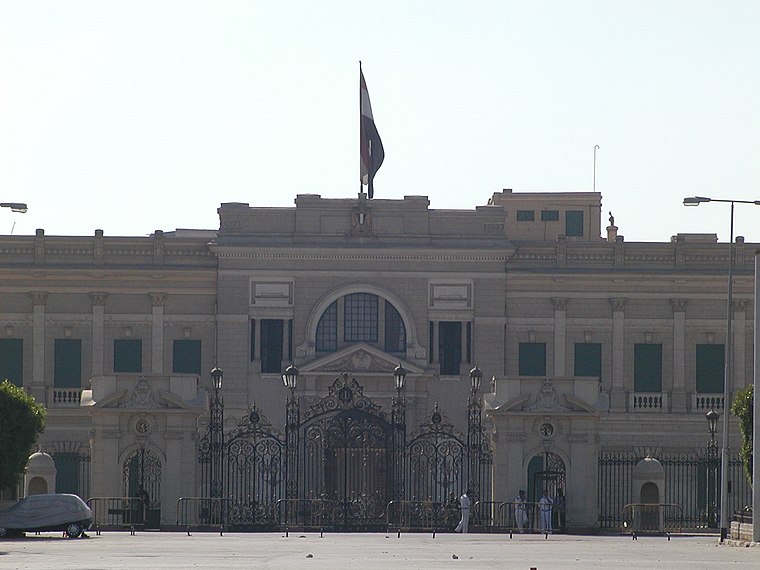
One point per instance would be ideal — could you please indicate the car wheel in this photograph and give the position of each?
(74, 530)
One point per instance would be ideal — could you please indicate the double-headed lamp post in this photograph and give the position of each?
(725, 448)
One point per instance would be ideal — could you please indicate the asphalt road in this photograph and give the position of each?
(148, 550)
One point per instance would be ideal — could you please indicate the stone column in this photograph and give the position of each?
(618, 400)
(38, 346)
(560, 333)
(98, 332)
(157, 333)
(678, 396)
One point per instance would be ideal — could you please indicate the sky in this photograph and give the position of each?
(133, 116)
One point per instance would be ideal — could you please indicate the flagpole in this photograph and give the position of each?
(361, 186)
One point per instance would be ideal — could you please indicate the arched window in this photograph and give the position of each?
(361, 317)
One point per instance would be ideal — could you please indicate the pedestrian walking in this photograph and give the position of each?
(464, 506)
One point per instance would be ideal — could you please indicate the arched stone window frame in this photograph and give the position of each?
(414, 351)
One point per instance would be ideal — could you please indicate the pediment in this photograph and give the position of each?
(546, 400)
(358, 359)
(143, 397)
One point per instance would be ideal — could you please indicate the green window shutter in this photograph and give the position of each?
(525, 215)
(271, 346)
(647, 368)
(550, 216)
(67, 473)
(12, 360)
(574, 223)
(710, 368)
(127, 355)
(186, 357)
(588, 359)
(450, 347)
(532, 359)
(67, 366)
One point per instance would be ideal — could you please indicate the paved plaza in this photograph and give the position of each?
(369, 551)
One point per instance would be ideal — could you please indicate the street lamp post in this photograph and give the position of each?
(474, 432)
(712, 466)
(292, 424)
(398, 419)
(216, 434)
(18, 207)
(725, 448)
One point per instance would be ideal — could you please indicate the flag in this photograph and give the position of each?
(370, 145)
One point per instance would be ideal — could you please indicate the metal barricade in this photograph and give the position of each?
(117, 513)
(418, 516)
(652, 518)
(315, 514)
(203, 513)
(487, 516)
(525, 517)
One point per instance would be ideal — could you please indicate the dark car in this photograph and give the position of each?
(54, 511)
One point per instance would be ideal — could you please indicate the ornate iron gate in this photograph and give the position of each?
(340, 464)
(340, 460)
(253, 474)
(437, 466)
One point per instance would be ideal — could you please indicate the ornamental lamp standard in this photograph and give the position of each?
(712, 465)
(290, 379)
(216, 435)
(476, 377)
(398, 420)
(399, 378)
(292, 429)
(217, 377)
(474, 433)
(725, 449)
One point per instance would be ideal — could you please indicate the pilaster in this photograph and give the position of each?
(678, 397)
(618, 399)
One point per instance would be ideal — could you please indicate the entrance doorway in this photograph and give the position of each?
(545, 471)
(142, 479)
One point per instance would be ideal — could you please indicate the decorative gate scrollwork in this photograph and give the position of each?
(437, 469)
(340, 459)
(253, 472)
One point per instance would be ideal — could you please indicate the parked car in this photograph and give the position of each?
(53, 511)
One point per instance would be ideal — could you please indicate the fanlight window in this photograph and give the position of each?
(361, 317)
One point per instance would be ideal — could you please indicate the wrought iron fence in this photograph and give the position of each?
(642, 518)
(691, 480)
(341, 463)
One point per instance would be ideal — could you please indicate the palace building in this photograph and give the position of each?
(539, 350)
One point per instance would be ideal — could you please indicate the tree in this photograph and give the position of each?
(22, 420)
(742, 409)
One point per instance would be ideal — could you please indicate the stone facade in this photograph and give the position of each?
(553, 314)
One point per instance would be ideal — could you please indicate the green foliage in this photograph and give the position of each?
(742, 409)
(22, 420)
